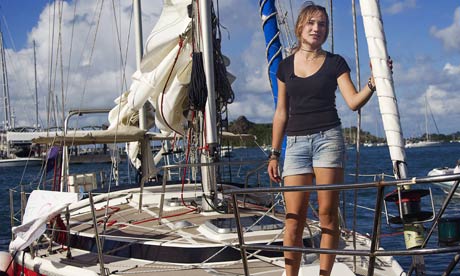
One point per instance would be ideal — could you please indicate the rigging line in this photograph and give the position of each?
(50, 67)
(97, 16)
(119, 44)
(60, 47)
(358, 81)
(124, 84)
(432, 116)
(331, 19)
(52, 71)
(6, 93)
(123, 61)
(181, 45)
(283, 20)
(13, 46)
(12, 64)
(71, 47)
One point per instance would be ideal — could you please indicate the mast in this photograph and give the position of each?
(139, 53)
(6, 94)
(37, 127)
(427, 136)
(210, 155)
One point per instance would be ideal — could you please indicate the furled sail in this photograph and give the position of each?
(268, 14)
(378, 54)
(164, 74)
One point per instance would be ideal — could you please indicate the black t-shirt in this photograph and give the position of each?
(312, 99)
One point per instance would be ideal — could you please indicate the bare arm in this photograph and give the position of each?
(280, 117)
(353, 99)
(279, 125)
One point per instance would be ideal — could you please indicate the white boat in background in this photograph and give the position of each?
(446, 186)
(427, 142)
(17, 150)
(21, 162)
(420, 144)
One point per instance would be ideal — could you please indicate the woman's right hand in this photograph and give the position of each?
(273, 170)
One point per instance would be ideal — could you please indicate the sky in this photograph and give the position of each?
(423, 40)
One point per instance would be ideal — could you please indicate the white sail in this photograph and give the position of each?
(165, 71)
(378, 54)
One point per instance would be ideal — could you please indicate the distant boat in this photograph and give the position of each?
(420, 144)
(446, 186)
(21, 161)
(427, 142)
(15, 142)
(16, 150)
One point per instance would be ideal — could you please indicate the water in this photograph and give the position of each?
(373, 160)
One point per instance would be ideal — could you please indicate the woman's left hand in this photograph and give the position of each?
(389, 62)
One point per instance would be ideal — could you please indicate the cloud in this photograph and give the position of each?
(88, 55)
(451, 69)
(93, 77)
(255, 108)
(255, 68)
(449, 36)
(401, 6)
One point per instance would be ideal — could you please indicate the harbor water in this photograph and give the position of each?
(372, 161)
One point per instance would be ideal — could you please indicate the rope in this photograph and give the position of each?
(197, 90)
(181, 44)
(223, 88)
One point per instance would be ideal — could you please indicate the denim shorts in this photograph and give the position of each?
(325, 149)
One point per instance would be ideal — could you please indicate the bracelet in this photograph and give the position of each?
(275, 152)
(273, 157)
(371, 87)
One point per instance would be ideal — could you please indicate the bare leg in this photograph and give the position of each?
(296, 211)
(328, 215)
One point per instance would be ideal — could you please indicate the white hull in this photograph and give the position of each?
(421, 144)
(20, 162)
(446, 186)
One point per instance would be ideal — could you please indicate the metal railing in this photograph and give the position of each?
(374, 251)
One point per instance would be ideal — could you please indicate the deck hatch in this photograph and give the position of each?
(228, 225)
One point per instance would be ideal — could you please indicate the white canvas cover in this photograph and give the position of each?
(41, 207)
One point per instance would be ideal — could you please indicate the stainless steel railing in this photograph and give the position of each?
(374, 250)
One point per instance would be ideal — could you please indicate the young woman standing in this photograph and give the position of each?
(306, 113)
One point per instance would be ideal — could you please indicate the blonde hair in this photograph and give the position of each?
(305, 14)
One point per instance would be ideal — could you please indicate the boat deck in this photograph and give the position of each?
(184, 241)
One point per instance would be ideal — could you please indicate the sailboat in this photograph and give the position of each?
(193, 224)
(427, 142)
(15, 142)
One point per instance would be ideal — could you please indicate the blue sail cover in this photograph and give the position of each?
(268, 14)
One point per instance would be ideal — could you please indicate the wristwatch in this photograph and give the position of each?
(275, 152)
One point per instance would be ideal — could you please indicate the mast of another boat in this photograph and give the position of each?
(209, 153)
(6, 94)
(37, 126)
